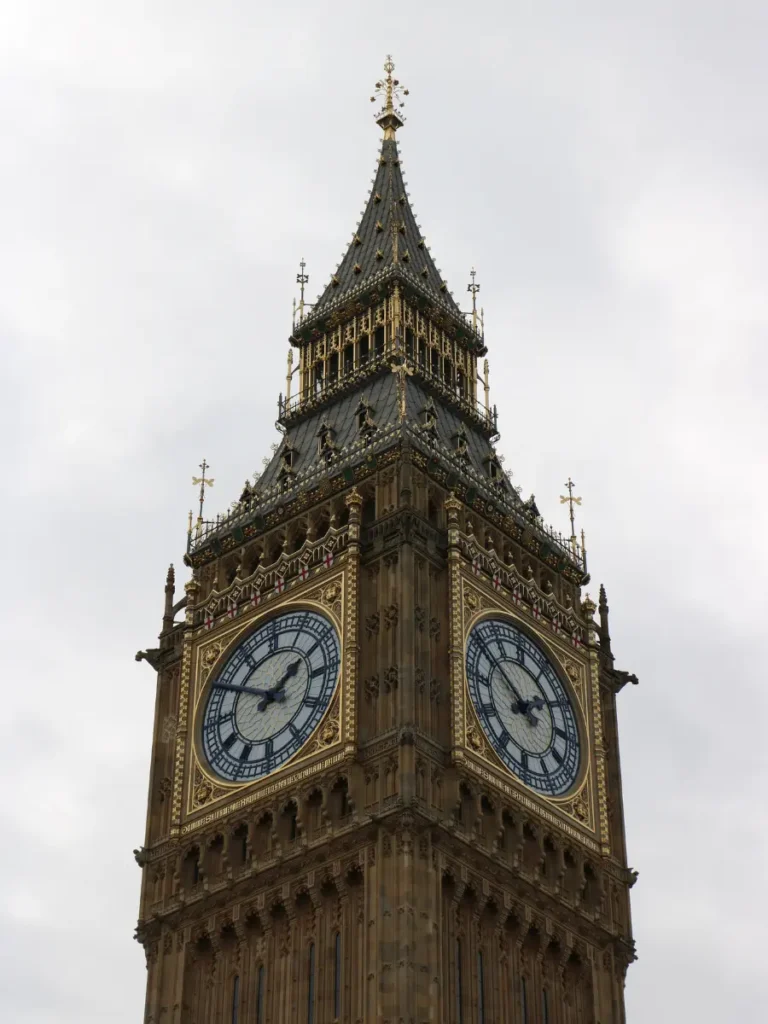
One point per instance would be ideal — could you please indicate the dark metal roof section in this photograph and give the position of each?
(388, 243)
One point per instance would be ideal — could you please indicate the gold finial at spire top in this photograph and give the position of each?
(392, 94)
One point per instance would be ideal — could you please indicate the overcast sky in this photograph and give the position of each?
(164, 167)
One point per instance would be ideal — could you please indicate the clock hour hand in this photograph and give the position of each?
(276, 692)
(527, 705)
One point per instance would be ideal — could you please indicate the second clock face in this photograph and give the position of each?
(270, 695)
(523, 706)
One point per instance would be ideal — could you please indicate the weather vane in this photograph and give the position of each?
(571, 500)
(474, 288)
(204, 482)
(392, 95)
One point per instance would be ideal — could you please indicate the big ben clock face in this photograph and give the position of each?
(523, 706)
(270, 695)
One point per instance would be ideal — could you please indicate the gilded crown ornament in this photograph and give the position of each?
(392, 94)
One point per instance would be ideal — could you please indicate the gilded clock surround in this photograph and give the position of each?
(558, 658)
(578, 804)
(326, 734)
(395, 838)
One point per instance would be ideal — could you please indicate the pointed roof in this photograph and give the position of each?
(388, 242)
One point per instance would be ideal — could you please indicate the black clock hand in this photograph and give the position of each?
(505, 677)
(276, 692)
(523, 706)
(511, 685)
(534, 702)
(241, 689)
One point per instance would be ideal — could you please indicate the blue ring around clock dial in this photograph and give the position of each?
(269, 697)
(523, 706)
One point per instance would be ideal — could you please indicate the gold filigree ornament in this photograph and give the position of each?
(572, 670)
(203, 793)
(473, 739)
(203, 790)
(210, 654)
(330, 733)
(580, 808)
(332, 596)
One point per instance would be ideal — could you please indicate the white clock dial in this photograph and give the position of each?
(270, 695)
(523, 706)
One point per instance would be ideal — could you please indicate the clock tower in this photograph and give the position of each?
(385, 783)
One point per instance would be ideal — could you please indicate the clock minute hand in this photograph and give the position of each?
(510, 684)
(523, 706)
(241, 689)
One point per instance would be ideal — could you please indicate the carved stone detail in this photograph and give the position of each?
(372, 625)
(391, 616)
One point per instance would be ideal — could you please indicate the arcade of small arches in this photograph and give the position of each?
(249, 842)
(540, 855)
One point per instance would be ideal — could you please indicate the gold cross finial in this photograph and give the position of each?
(571, 500)
(204, 482)
(392, 94)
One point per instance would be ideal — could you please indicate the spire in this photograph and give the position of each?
(388, 242)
